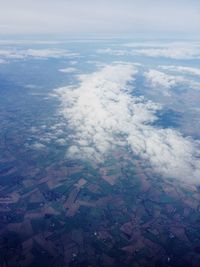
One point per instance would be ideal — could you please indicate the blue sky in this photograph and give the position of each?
(105, 17)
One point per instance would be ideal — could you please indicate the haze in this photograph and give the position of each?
(105, 17)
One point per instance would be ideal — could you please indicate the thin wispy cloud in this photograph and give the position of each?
(35, 53)
(68, 70)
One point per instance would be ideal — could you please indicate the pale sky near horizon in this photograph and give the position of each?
(100, 17)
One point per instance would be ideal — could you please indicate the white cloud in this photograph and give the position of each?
(183, 69)
(38, 146)
(164, 82)
(61, 141)
(158, 78)
(68, 70)
(112, 52)
(174, 50)
(54, 53)
(10, 54)
(178, 52)
(36, 53)
(103, 115)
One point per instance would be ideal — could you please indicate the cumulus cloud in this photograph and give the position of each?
(164, 82)
(35, 53)
(183, 69)
(158, 78)
(104, 115)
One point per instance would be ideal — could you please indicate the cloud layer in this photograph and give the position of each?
(177, 53)
(100, 17)
(104, 115)
(171, 50)
(35, 53)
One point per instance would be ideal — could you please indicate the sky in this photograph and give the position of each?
(105, 17)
